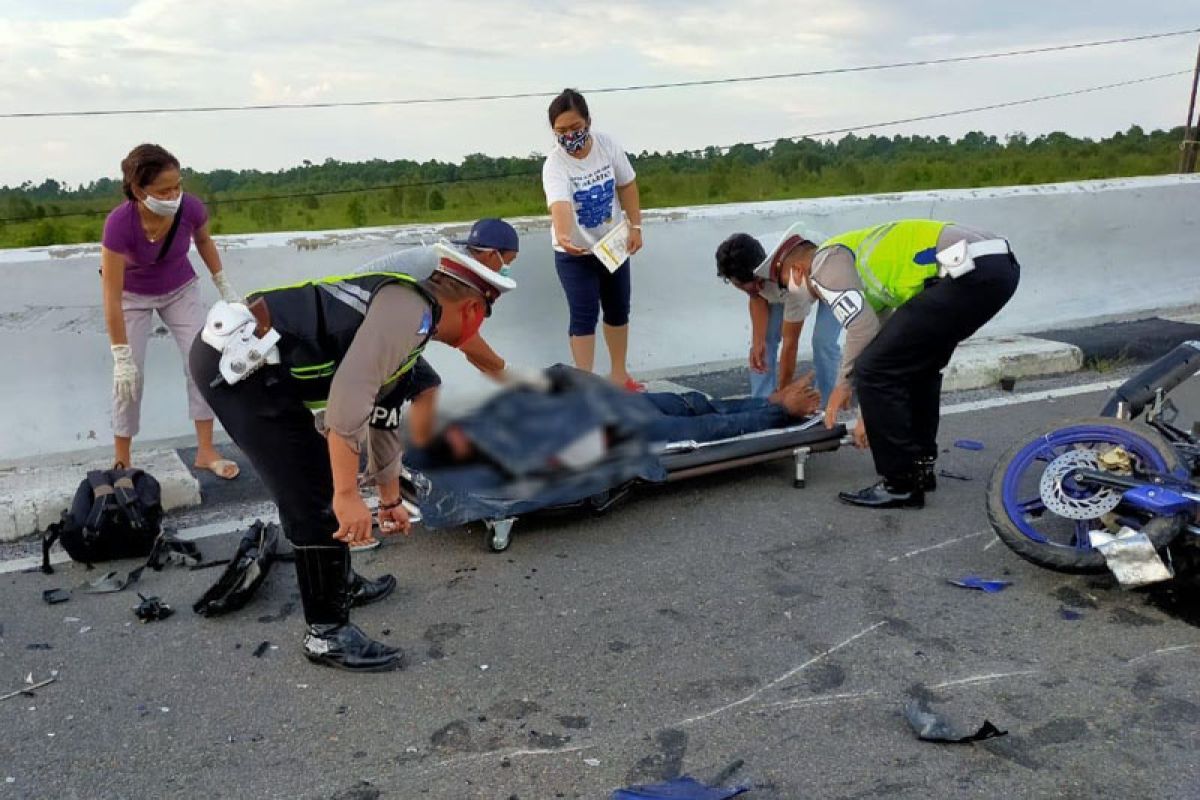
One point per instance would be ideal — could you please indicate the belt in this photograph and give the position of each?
(988, 247)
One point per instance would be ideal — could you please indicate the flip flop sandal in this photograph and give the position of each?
(634, 386)
(221, 468)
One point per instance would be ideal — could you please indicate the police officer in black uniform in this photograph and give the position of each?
(344, 343)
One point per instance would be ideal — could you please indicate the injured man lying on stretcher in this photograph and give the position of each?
(527, 449)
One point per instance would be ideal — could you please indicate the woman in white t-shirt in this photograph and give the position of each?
(590, 187)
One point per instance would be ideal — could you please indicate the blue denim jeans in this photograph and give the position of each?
(692, 416)
(827, 353)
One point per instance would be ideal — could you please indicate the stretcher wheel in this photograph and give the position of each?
(497, 534)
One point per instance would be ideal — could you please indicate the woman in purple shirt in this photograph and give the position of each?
(145, 268)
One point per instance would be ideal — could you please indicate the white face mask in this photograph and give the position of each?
(793, 287)
(163, 208)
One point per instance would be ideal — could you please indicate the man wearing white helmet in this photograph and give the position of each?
(338, 343)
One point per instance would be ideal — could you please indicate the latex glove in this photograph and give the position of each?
(519, 377)
(225, 289)
(125, 373)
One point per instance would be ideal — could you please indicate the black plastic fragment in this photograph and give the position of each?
(931, 727)
(53, 596)
(152, 609)
(245, 573)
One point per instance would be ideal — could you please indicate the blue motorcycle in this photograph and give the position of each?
(1047, 494)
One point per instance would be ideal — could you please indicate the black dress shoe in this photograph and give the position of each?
(345, 646)
(363, 592)
(884, 495)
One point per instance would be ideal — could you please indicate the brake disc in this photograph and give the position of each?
(1066, 498)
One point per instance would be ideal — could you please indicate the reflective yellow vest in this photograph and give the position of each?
(894, 259)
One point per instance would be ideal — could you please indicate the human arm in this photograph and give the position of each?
(788, 352)
(760, 313)
(561, 217)
(796, 306)
(383, 341)
(384, 449)
(112, 272)
(839, 286)
(627, 190)
(353, 517)
(556, 184)
(481, 356)
(125, 371)
(631, 205)
(211, 257)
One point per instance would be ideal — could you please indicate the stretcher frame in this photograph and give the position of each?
(688, 459)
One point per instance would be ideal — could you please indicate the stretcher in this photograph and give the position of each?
(683, 460)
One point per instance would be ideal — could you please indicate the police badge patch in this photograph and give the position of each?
(847, 306)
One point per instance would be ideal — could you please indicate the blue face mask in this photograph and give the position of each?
(506, 271)
(574, 141)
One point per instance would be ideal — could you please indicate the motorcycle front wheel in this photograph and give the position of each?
(1044, 515)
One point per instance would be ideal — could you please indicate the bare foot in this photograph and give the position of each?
(798, 398)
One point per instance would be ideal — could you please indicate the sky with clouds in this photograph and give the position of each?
(101, 54)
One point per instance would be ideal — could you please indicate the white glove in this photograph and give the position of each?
(224, 288)
(522, 378)
(125, 373)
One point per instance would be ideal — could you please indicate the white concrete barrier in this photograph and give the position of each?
(1087, 249)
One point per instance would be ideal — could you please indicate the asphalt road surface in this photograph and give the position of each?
(729, 618)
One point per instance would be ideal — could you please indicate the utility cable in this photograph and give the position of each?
(530, 173)
(594, 90)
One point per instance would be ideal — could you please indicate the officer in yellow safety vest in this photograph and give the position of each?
(906, 292)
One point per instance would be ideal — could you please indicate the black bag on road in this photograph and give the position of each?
(116, 513)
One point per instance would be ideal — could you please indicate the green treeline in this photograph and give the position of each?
(340, 195)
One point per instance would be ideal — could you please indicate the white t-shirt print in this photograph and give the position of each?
(590, 186)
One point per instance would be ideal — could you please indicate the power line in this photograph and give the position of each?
(974, 109)
(701, 151)
(598, 90)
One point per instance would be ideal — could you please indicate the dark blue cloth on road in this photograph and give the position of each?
(685, 788)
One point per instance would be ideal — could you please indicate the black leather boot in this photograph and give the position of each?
(364, 591)
(331, 639)
(927, 473)
(886, 494)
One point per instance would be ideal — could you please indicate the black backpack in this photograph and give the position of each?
(116, 514)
